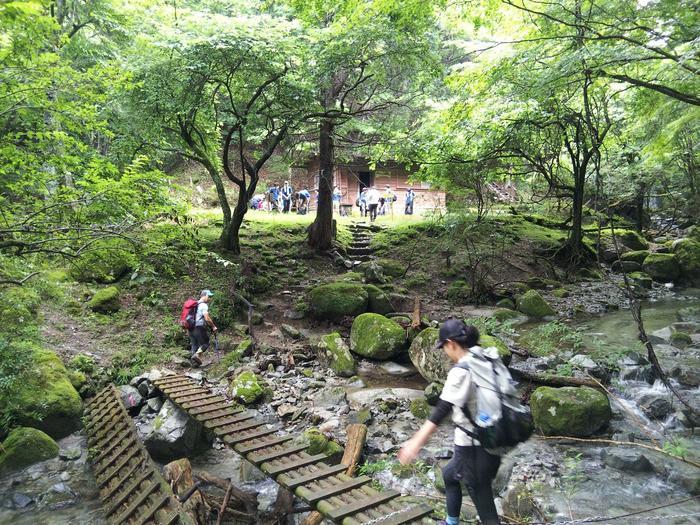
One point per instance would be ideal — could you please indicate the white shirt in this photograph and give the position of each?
(372, 196)
(202, 310)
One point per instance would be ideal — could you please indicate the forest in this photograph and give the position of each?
(551, 150)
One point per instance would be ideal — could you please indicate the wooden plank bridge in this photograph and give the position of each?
(129, 497)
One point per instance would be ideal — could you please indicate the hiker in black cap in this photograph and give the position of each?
(471, 463)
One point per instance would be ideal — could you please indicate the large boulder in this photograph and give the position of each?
(392, 267)
(432, 364)
(45, 399)
(376, 337)
(336, 352)
(379, 302)
(504, 353)
(629, 239)
(334, 301)
(25, 446)
(532, 304)
(105, 301)
(247, 388)
(662, 267)
(688, 253)
(569, 411)
(637, 256)
(374, 273)
(173, 434)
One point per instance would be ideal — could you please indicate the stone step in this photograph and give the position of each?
(359, 251)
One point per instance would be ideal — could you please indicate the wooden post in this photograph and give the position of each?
(224, 504)
(357, 434)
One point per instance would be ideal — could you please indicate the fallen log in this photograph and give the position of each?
(357, 434)
(224, 504)
(553, 380)
(241, 498)
(179, 475)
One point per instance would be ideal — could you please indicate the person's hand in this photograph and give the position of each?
(409, 452)
(214, 329)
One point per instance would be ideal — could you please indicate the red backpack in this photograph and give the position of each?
(188, 315)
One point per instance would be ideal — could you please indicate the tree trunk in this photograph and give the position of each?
(639, 207)
(220, 192)
(230, 239)
(321, 230)
(576, 234)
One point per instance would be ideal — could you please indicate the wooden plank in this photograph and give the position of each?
(274, 470)
(262, 456)
(225, 431)
(411, 514)
(242, 448)
(143, 496)
(148, 514)
(104, 466)
(320, 473)
(363, 504)
(229, 420)
(208, 409)
(215, 413)
(312, 497)
(176, 393)
(120, 482)
(128, 491)
(169, 380)
(233, 440)
(201, 401)
(173, 384)
(118, 467)
(130, 436)
(107, 436)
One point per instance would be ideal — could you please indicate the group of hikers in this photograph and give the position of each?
(478, 394)
(370, 201)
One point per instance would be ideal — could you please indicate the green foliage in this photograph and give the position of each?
(550, 338)
(128, 363)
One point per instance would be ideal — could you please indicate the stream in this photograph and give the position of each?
(556, 481)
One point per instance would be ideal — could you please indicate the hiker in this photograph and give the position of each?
(303, 198)
(372, 203)
(362, 202)
(471, 463)
(273, 198)
(410, 197)
(287, 192)
(200, 334)
(389, 199)
(336, 200)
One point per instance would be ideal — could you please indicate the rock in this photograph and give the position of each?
(397, 370)
(486, 341)
(637, 373)
(376, 337)
(379, 302)
(420, 408)
(432, 393)
(587, 365)
(363, 417)
(662, 267)
(155, 404)
(626, 266)
(689, 314)
(533, 305)
(688, 376)
(131, 398)
(374, 273)
(105, 301)
(320, 444)
(627, 460)
(636, 256)
(661, 336)
(46, 399)
(504, 314)
(70, 454)
(518, 502)
(569, 411)
(681, 339)
(246, 387)
(688, 327)
(336, 352)
(655, 406)
(294, 315)
(506, 303)
(628, 238)
(370, 397)
(144, 389)
(173, 434)
(334, 301)
(391, 267)
(688, 253)
(641, 280)
(560, 293)
(25, 446)
(290, 331)
(21, 501)
(431, 364)
(333, 397)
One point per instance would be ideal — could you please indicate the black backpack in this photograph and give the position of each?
(513, 426)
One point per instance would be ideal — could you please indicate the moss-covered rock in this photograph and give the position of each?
(459, 292)
(349, 277)
(334, 301)
(320, 444)
(641, 279)
(420, 408)
(486, 341)
(105, 301)
(338, 355)
(45, 399)
(25, 446)
(627, 238)
(569, 411)
(391, 267)
(376, 337)
(688, 253)
(662, 267)
(681, 339)
(637, 256)
(107, 262)
(432, 364)
(77, 378)
(247, 388)
(560, 293)
(379, 302)
(533, 305)
(504, 314)
(506, 303)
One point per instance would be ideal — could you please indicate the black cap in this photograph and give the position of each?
(449, 330)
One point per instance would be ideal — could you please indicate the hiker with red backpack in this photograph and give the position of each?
(488, 417)
(195, 319)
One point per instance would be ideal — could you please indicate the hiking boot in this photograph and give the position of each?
(196, 360)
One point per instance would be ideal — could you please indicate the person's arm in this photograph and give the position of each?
(210, 322)
(413, 446)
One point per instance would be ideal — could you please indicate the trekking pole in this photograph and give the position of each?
(216, 347)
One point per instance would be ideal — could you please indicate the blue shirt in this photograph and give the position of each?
(305, 194)
(410, 195)
(274, 193)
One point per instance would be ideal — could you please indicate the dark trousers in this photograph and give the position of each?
(409, 208)
(372, 211)
(287, 204)
(476, 468)
(199, 338)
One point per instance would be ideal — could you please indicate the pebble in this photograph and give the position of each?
(65, 475)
